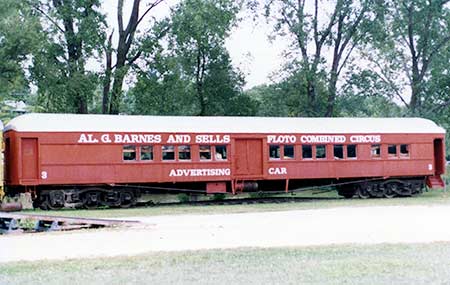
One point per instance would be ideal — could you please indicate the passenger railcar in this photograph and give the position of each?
(90, 160)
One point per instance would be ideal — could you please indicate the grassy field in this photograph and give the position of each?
(434, 197)
(378, 264)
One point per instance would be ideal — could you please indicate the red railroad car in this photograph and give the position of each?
(91, 160)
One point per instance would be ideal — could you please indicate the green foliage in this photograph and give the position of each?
(412, 41)
(162, 90)
(18, 37)
(194, 74)
(289, 98)
(71, 36)
(198, 29)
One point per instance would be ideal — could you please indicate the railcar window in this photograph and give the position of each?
(168, 152)
(351, 151)
(205, 152)
(404, 150)
(184, 152)
(221, 152)
(338, 151)
(321, 151)
(289, 152)
(306, 151)
(129, 152)
(375, 150)
(274, 151)
(392, 150)
(146, 152)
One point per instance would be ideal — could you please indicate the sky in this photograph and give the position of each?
(248, 44)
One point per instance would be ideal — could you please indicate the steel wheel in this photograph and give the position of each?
(391, 190)
(127, 199)
(91, 200)
(363, 192)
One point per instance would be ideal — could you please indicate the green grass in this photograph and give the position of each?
(433, 197)
(351, 264)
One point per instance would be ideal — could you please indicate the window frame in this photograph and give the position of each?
(311, 151)
(289, 158)
(372, 147)
(179, 151)
(321, 146)
(408, 148)
(163, 151)
(152, 153)
(124, 150)
(210, 152)
(342, 150)
(277, 151)
(215, 154)
(347, 152)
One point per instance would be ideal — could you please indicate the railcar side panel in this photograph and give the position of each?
(80, 158)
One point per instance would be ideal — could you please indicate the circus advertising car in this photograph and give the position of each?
(67, 160)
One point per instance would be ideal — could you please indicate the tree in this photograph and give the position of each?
(416, 37)
(365, 95)
(197, 35)
(161, 89)
(128, 51)
(340, 32)
(72, 32)
(18, 30)
(288, 98)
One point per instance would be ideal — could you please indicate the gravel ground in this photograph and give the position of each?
(365, 225)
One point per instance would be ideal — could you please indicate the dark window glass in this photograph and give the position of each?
(375, 150)
(289, 152)
(338, 151)
(404, 150)
(168, 152)
(274, 151)
(321, 151)
(205, 152)
(351, 151)
(184, 152)
(306, 151)
(129, 152)
(221, 152)
(146, 152)
(392, 150)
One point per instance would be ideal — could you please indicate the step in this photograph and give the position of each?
(435, 182)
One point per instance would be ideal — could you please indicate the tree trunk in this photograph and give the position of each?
(107, 79)
(116, 94)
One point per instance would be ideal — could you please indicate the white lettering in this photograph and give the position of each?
(105, 139)
(212, 139)
(179, 139)
(323, 139)
(199, 172)
(277, 170)
(282, 139)
(134, 138)
(365, 139)
(87, 138)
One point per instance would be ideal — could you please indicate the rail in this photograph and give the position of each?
(11, 223)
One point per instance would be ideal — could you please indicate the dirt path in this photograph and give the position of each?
(366, 225)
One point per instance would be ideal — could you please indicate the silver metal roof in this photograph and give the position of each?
(171, 124)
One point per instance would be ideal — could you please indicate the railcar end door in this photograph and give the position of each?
(439, 157)
(29, 159)
(248, 157)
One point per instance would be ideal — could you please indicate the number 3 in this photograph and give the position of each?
(44, 174)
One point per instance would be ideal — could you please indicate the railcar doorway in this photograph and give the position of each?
(29, 159)
(439, 164)
(248, 159)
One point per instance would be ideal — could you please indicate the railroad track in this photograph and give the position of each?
(244, 201)
(14, 223)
